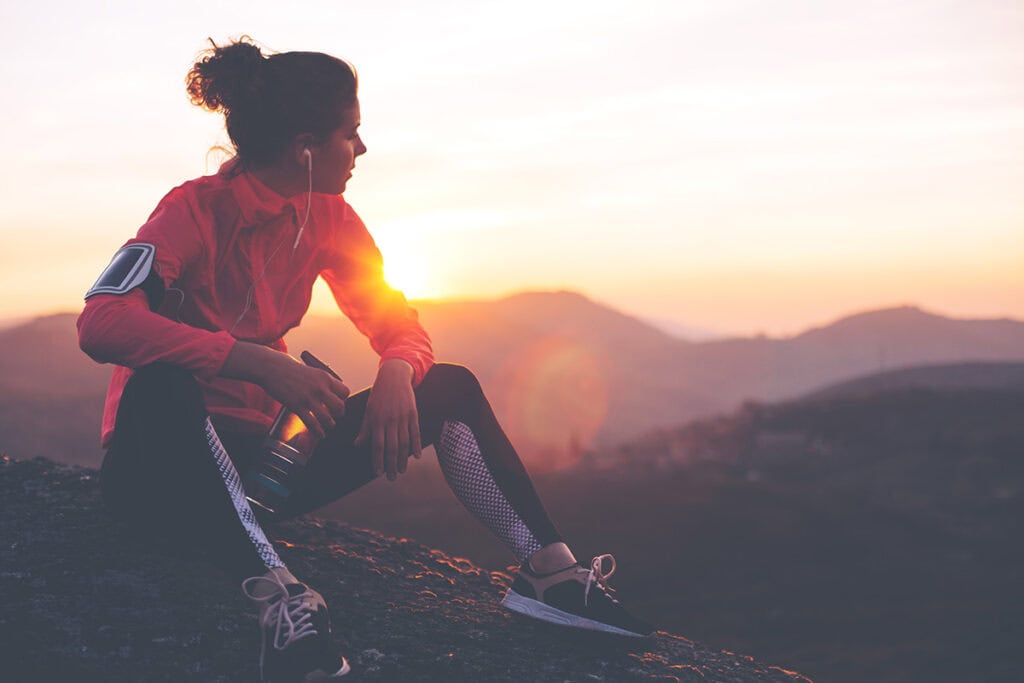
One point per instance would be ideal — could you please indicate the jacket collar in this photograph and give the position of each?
(257, 203)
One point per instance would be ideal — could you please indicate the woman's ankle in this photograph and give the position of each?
(283, 575)
(278, 575)
(551, 558)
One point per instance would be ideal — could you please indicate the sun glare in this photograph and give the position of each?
(408, 272)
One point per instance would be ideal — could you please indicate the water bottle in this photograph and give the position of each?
(283, 455)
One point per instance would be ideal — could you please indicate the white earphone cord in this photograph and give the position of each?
(250, 295)
(309, 199)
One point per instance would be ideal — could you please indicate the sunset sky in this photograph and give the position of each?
(736, 167)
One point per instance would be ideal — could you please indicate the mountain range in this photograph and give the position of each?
(565, 374)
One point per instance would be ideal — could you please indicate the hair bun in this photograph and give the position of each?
(268, 101)
(227, 75)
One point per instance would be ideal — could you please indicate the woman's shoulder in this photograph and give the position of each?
(333, 204)
(198, 200)
(336, 209)
(193, 191)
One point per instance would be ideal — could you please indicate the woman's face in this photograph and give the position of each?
(334, 160)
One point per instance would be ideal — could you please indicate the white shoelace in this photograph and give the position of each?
(597, 575)
(290, 614)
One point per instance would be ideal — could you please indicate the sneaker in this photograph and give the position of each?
(295, 627)
(574, 596)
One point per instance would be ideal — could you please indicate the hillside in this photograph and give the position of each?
(953, 376)
(766, 369)
(85, 601)
(858, 538)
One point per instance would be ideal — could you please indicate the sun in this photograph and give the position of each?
(408, 272)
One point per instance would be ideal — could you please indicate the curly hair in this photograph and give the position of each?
(268, 100)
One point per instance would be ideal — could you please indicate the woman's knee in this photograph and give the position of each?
(158, 399)
(162, 382)
(163, 375)
(456, 378)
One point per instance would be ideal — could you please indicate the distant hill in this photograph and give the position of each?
(564, 373)
(768, 369)
(952, 376)
(42, 357)
(684, 331)
(918, 401)
(51, 394)
(560, 370)
(7, 323)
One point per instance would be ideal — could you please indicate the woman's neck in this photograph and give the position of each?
(286, 182)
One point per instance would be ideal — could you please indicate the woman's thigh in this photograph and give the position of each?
(160, 470)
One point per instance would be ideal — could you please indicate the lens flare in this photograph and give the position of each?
(556, 401)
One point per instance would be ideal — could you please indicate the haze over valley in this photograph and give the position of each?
(565, 374)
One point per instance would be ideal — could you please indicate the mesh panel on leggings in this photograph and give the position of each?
(233, 484)
(467, 474)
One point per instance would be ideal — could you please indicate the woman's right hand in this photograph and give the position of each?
(317, 397)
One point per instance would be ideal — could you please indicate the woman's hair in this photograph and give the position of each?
(267, 101)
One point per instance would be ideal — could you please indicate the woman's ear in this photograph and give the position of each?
(302, 149)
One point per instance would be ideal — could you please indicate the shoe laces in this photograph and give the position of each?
(597, 576)
(290, 614)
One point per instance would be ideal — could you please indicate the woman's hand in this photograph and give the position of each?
(313, 394)
(391, 422)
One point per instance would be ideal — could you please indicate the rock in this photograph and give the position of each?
(86, 600)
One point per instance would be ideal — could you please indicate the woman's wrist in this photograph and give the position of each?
(396, 368)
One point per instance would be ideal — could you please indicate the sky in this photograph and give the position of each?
(717, 167)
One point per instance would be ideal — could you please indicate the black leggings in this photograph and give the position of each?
(169, 472)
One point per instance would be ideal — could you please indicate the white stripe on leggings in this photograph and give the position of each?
(469, 477)
(234, 486)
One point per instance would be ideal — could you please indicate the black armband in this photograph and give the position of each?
(131, 267)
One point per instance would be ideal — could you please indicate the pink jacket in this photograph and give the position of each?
(212, 236)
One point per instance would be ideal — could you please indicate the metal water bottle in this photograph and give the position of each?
(284, 454)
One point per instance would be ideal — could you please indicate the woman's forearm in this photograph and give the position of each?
(314, 395)
(251, 362)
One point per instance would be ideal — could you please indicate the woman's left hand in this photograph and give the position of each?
(391, 422)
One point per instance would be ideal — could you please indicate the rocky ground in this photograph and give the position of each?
(84, 600)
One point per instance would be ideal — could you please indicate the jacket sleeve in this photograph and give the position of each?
(122, 329)
(354, 272)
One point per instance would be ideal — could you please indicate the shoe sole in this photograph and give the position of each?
(321, 676)
(539, 610)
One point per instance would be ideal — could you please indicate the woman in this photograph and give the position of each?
(193, 311)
